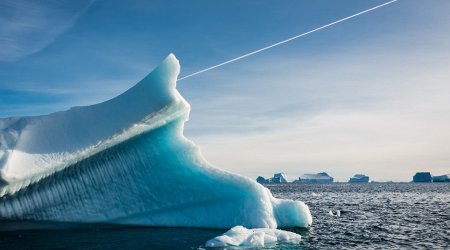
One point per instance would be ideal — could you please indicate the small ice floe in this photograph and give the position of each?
(258, 237)
(337, 214)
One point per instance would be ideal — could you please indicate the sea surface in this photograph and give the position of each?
(372, 216)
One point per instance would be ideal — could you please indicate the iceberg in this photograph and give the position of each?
(359, 178)
(315, 178)
(240, 236)
(262, 180)
(126, 161)
(423, 177)
(442, 178)
(277, 178)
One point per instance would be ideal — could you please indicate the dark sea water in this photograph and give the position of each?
(373, 216)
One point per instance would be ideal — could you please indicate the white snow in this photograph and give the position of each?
(35, 145)
(126, 161)
(258, 237)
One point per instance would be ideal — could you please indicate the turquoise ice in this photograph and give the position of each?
(126, 161)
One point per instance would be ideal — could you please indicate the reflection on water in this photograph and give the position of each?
(101, 237)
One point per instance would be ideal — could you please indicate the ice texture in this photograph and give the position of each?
(258, 237)
(126, 161)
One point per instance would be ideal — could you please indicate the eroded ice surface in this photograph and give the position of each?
(126, 161)
(258, 237)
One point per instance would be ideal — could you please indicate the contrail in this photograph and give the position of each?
(287, 40)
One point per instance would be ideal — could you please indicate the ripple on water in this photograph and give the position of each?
(374, 215)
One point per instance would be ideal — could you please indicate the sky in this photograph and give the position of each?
(370, 95)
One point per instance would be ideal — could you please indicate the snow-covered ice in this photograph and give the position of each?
(258, 237)
(126, 161)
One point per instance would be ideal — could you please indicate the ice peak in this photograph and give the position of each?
(126, 161)
(31, 145)
(167, 72)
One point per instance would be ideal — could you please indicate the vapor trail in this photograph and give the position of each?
(287, 40)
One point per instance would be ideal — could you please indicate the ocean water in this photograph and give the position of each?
(372, 216)
(375, 215)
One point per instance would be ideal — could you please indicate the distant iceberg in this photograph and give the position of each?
(277, 178)
(423, 177)
(359, 178)
(262, 180)
(442, 178)
(315, 178)
(126, 161)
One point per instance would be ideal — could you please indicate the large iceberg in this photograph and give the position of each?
(126, 161)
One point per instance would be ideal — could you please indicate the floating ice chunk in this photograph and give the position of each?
(126, 161)
(259, 237)
(338, 213)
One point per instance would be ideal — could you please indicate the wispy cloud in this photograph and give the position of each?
(27, 27)
(370, 95)
(379, 110)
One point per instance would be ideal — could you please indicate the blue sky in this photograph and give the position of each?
(370, 95)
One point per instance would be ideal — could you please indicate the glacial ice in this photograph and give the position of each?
(258, 237)
(126, 161)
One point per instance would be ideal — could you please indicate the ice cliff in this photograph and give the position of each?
(126, 161)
